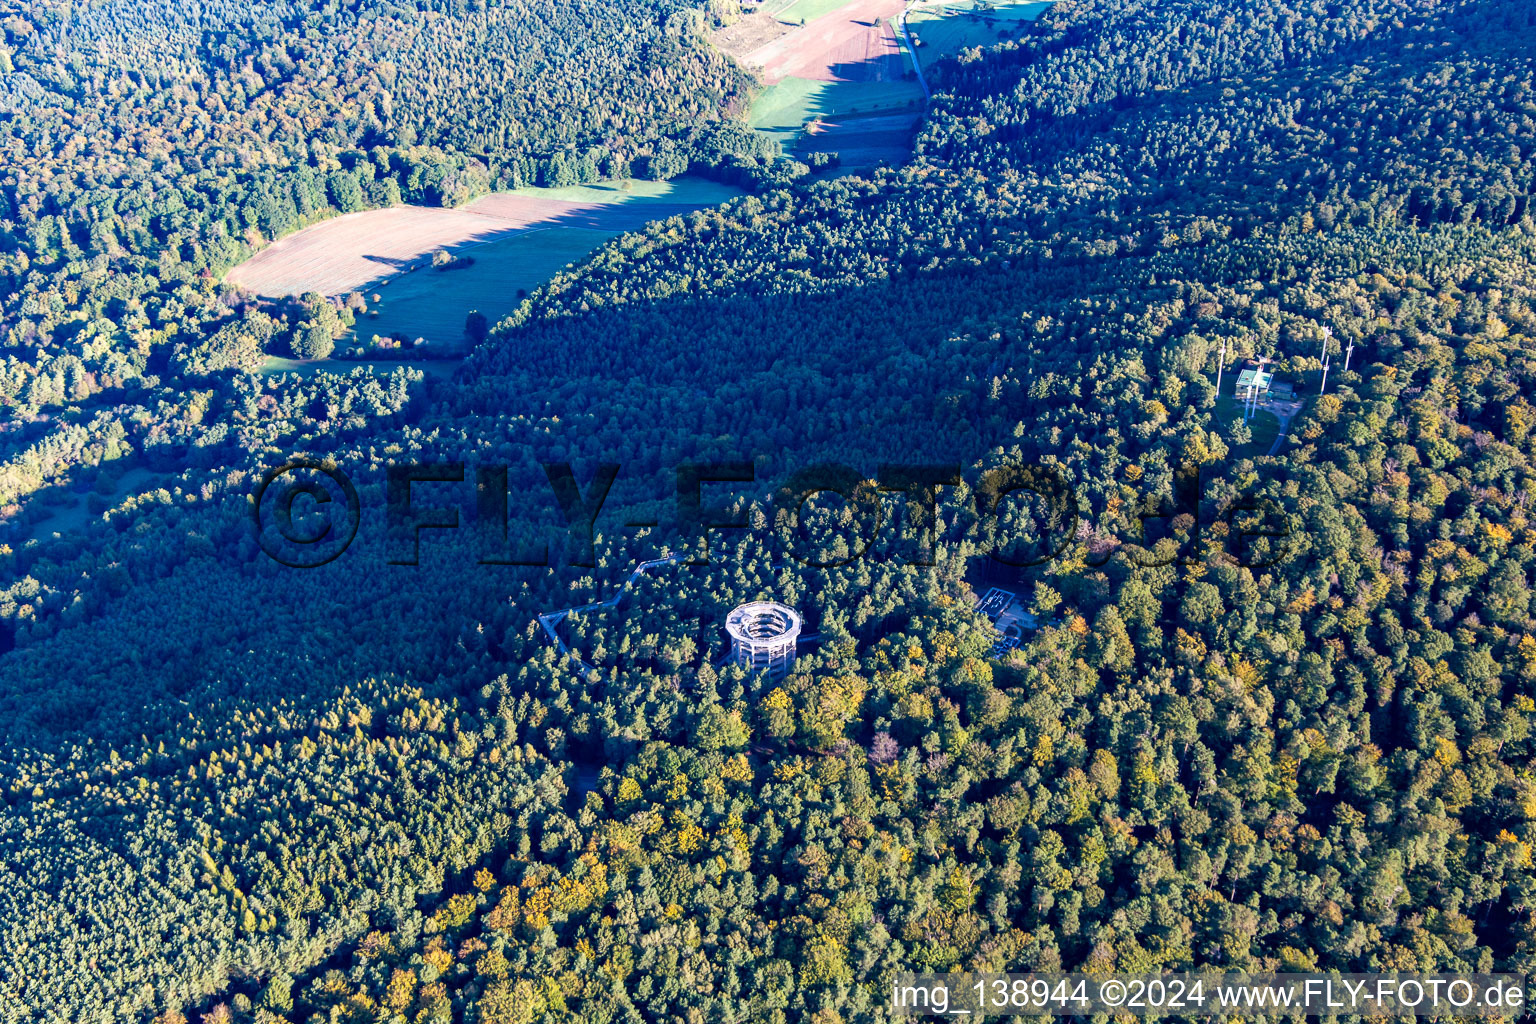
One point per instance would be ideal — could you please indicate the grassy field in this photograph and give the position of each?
(69, 510)
(808, 10)
(863, 140)
(1264, 425)
(814, 74)
(432, 304)
(945, 28)
(517, 241)
(841, 72)
(786, 106)
(363, 250)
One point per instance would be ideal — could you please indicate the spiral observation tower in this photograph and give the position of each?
(763, 636)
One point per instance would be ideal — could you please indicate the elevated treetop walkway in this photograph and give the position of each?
(551, 620)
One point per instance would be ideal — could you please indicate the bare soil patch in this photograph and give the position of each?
(856, 43)
(748, 34)
(367, 249)
(361, 249)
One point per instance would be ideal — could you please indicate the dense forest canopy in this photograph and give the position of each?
(371, 791)
(147, 148)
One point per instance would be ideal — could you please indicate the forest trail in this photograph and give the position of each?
(1284, 412)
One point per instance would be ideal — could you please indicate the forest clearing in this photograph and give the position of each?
(360, 250)
(941, 29)
(839, 82)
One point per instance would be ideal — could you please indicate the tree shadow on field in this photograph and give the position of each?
(396, 262)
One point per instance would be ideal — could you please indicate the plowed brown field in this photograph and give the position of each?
(844, 46)
(359, 249)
